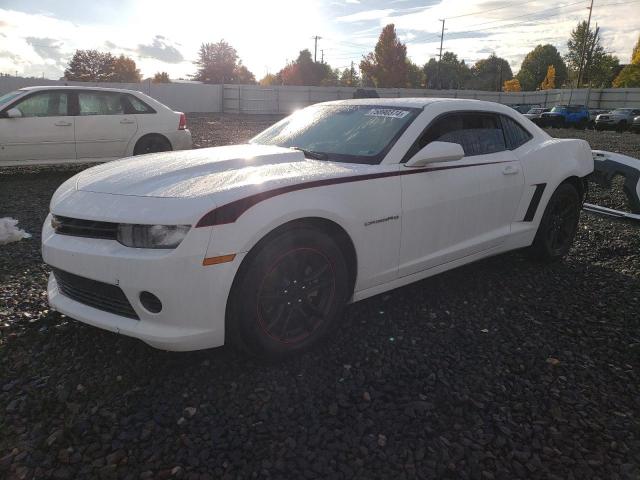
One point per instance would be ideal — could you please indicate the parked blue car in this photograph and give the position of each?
(566, 116)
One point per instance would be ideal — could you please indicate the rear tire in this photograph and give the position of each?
(152, 144)
(289, 294)
(558, 225)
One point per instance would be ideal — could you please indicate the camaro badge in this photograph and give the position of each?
(381, 220)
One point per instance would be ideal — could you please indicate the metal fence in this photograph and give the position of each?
(253, 99)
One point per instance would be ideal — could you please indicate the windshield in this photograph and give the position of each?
(342, 133)
(623, 111)
(7, 97)
(558, 109)
(536, 110)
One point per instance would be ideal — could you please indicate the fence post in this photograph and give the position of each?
(222, 98)
(277, 99)
(239, 99)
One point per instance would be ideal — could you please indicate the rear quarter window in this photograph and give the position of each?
(515, 134)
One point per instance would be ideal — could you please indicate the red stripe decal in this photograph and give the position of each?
(230, 212)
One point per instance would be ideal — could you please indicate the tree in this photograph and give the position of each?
(549, 81)
(629, 76)
(490, 73)
(304, 71)
(415, 76)
(451, 74)
(125, 70)
(349, 77)
(269, 79)
(584, 46)
(512, 85)
(535, 65)
(219, 63)
(387, 66)
(242, 75)
(161, 77)
(90, 66)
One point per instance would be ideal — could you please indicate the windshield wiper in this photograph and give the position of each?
(311, 153)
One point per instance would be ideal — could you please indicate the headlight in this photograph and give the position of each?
(152, 236)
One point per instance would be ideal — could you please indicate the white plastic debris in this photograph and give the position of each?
(9, 232)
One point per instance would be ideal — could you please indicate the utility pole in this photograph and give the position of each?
(315, 47)
(321, 55)
(438, 82)
(584, 45)
(351, 72)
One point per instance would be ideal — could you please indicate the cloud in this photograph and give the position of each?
(161, 50)
(47, 48)
(366, 15)
(352, 1)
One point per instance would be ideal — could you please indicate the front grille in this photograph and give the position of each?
(84, 228)
(102, 296)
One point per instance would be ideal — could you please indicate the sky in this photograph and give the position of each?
(38, 37)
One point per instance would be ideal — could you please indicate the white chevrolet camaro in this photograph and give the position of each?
(262, 245)
(48, 125)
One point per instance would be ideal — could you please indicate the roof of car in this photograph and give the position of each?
(418, 102)
(75, 87)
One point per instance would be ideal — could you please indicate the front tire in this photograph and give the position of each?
(290, 294)
(558, 225)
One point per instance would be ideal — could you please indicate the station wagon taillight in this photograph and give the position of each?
(182, 125)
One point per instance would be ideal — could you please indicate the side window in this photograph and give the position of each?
(138, 106)
(100, 103)
(516, 135)
(477, 133)
(45, 104)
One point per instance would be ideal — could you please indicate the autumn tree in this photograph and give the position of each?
(219, 63)
(549, 81)
(535, 66)
(490, 74)
(598, 66)
(387, 65)
(268, 80)
(629, 76)
(448, 73)
(125, 70)
(161, 77)
(304, 71)
(512, 85)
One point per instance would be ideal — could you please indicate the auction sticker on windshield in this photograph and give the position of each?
(386, 112)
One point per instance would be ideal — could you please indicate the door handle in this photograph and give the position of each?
(62, 124)
(126, 121)
(510, 170)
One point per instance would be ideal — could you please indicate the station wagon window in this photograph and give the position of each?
(476, 133)
(138, 106)
(44, 104)
(516, 134)
(100, 103)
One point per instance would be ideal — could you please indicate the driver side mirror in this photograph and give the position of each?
(13, 113)
(436, 152)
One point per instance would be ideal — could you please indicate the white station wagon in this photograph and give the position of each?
(44, 125)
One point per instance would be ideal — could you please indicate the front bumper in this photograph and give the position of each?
(193, 297)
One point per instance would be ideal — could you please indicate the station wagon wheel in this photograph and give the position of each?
(151, 144)
(288, 294)
(558, 225)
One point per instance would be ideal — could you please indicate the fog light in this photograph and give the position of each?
(150, 302)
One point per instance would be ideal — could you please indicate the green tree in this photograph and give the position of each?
(217, 63)
(598, 67)
(90, 66)
(451, 74)
(629, 76)
(349, 77)
(490, 74)
(535, 65)
(304, 71)
(415, 76)
(386, 66)
(161, 77)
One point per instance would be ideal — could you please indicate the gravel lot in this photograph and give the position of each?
(502, 369)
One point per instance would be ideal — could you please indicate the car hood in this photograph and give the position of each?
(207, 171)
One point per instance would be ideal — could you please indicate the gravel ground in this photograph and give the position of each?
(502, 369)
